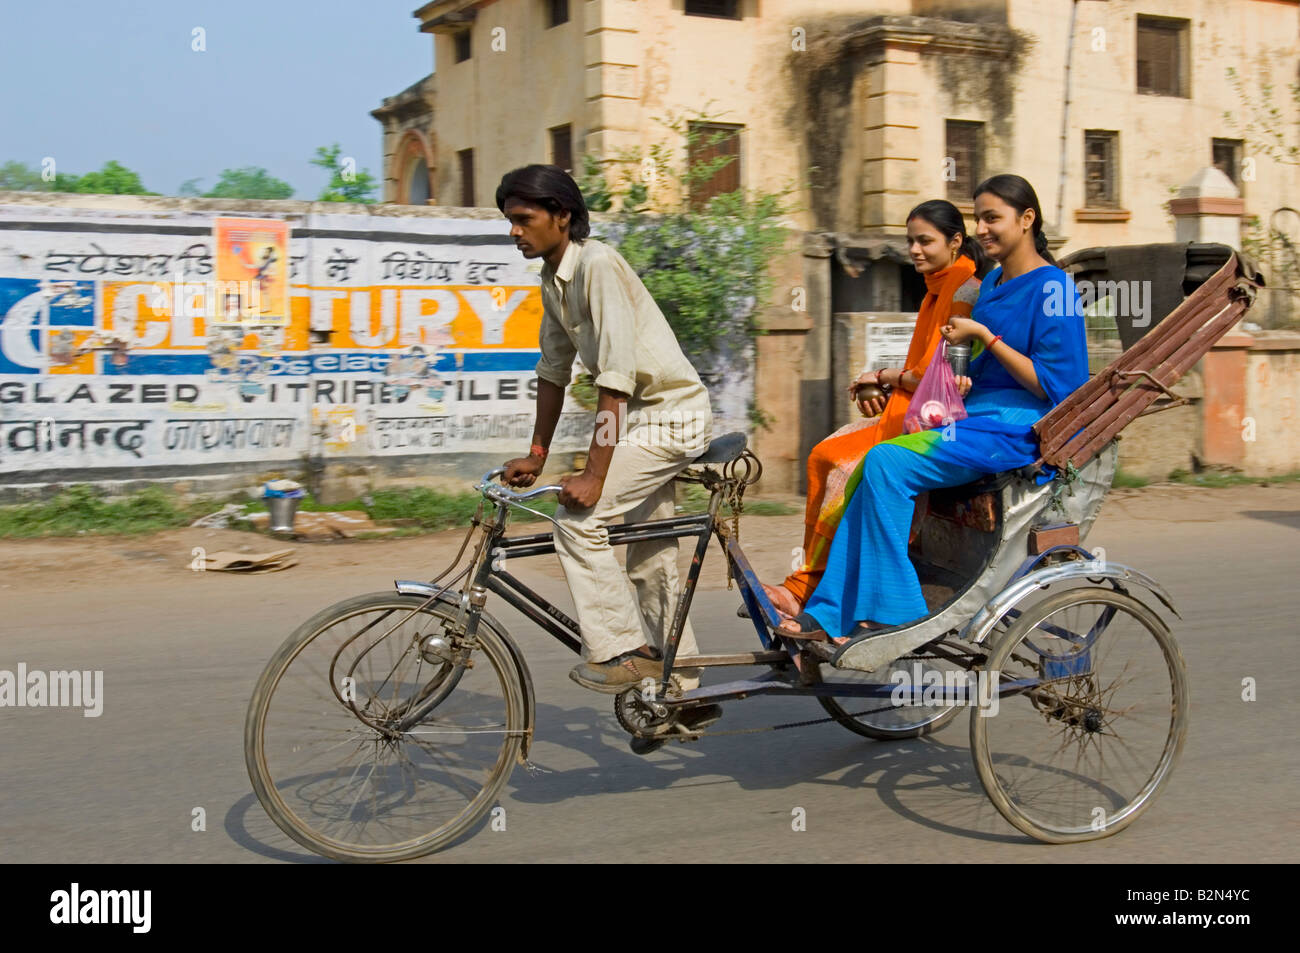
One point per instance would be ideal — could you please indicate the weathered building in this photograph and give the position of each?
(1107, 106)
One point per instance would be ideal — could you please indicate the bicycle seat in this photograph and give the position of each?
(723, 449)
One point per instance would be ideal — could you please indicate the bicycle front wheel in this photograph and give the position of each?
(375, 734)
(1093, 719)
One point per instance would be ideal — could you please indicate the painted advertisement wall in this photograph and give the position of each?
(121, 351)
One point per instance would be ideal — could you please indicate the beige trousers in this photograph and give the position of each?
(617, 612)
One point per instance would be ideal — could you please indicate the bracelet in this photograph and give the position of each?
(993, 342)
(537, 450)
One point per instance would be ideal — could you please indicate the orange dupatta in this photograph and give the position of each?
(826, 501)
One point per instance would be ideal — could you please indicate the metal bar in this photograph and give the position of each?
(1059, 425)
(673, 638)
(760, 608)
(736, 658)
(1094, 396)
(541, 544)
(1137, 399)
(533, 612)
(1138, 396)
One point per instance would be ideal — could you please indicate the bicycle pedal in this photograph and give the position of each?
(644, 746)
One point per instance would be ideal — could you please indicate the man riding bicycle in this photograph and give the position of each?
(653, 418)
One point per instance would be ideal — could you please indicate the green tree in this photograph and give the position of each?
(346, 183)
(113, 179)
(20, 177)
(1273, 132)
(250, 182)
(705, 264)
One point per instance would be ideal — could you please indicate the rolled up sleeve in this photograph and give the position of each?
(556, 364)
(614, 319)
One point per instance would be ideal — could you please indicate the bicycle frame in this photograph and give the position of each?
(489, 575)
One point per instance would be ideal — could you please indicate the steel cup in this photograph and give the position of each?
(959, 359)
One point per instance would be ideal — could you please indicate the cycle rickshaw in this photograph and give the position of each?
(386, 726)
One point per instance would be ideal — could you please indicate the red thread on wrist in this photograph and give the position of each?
(994, 341)
(537, 450)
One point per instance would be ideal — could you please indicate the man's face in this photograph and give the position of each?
(536, 231)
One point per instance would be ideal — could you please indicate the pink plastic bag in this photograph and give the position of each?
(936, 401)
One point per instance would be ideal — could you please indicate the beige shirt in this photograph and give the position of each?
(595, 306)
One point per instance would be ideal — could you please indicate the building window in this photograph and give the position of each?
(965, 150)
(1100, 178)
(1225, 155)
(417, 186)
(562, 147)
(461, 40)
(557, 12)
(1163, 56)
(466, 159)
(711, 142)
(726, 9)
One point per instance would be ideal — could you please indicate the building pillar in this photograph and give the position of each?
(612, 50)
(891, 138)
(1224, 405)
(1208, 209)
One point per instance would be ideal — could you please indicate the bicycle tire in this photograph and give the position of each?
(271, 784)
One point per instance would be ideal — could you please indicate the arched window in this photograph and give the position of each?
(417, 183)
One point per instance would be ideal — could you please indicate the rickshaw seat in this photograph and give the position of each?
(723, 449)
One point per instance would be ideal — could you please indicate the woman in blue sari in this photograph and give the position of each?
(1029, 322)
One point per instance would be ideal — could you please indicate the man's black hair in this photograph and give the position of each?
(550, 187)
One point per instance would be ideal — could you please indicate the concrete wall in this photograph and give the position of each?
(1252, 410)
(408, 351)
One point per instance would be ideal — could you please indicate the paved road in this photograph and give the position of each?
(180, 653)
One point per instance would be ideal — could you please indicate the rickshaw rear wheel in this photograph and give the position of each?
(1094, 720)
(885, 721)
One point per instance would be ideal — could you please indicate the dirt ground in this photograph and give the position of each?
(135, 563)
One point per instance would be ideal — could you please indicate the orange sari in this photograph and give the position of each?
(835, 464)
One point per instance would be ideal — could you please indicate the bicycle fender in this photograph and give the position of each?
(410, 587)
(979, 628)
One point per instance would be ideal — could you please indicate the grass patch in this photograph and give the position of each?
(1213, 479)
(83, 509)
(1125, 479)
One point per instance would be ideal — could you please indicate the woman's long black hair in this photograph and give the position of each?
(550, 187)
(947, 220)
(1020, 195)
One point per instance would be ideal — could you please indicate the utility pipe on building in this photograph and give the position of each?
(1065, 121)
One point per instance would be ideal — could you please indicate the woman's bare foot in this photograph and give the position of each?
(783, 600)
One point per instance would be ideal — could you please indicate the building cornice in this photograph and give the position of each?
(410, 102)
(928, 35)
(447, 16)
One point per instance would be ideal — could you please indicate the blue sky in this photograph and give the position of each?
(85, 82)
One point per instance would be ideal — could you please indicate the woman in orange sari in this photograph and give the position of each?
(949, 260)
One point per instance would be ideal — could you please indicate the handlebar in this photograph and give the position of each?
(500, 492)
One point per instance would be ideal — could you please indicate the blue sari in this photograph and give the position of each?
(869, 574)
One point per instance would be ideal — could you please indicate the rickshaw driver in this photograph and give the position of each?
(594, 305)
